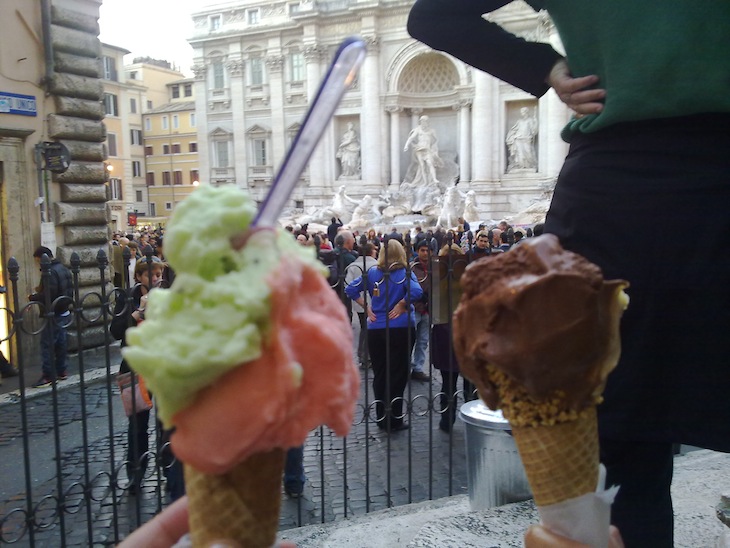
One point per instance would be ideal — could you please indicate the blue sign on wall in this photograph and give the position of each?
(14, 103)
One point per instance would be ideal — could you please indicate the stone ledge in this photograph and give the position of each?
(700, 479)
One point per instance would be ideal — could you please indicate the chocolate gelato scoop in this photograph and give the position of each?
(541, 319)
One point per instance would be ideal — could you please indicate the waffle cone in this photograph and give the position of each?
(561, 461)
(241, 505)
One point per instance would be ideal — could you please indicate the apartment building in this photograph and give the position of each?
(129, 92)
(171, 151)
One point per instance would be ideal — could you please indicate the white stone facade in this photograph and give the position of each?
(257, 64)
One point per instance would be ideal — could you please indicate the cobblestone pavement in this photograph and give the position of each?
(83, 459)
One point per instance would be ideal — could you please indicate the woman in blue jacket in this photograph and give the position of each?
(386, 292)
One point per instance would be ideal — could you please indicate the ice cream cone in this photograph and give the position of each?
(561, 460)
(240, 505)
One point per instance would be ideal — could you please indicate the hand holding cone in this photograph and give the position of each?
(537, 331)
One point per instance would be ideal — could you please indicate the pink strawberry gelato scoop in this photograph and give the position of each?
(305, 377)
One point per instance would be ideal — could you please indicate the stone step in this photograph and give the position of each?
(701, 479)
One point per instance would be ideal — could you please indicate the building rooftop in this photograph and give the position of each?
(182, 81)
(173, 107)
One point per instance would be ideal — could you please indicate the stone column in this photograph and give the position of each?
(275, 65)
(201, 108)
(319, 175)
(395, 145)
(483, 128)
(236, 70)
(370, 114)
(464, 139)
(553, 115)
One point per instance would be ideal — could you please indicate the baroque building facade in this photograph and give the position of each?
(257, 64)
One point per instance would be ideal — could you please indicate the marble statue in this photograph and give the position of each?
(452, 207)
(520, 142)
(342, 207)
(348, 152)
(366, 213)
(427, 192)
(395, 204)
(471, 210)
(422, 139)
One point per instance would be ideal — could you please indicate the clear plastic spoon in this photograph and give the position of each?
(338, 79)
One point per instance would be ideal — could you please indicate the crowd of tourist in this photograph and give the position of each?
(404, 286)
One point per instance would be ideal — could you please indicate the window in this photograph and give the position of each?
(166, 178)
(192, 119)
(153, 209)
(257, 71)
(110, 68)
(133, 75)
(218, 75)
(299, 204)
(296, 67)
(194, 176)
(175, 121)
(136, 135)
(188, 90)
(133, 105)
(148, 124)
(115, 187)
(176, 148)
(165, 149)
(221, 153)
(110, 105)
(193, 147)
(253, 16)
(150, 178)
(111, 143)
(148, 151)
(215, 22)
(176, 92)
(168, 206)
(149, 105)
(138, 197)
(178, 177)
(259, 152)
(165, 122)
(136, 169)
(294, 8)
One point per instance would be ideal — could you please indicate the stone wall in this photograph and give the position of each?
(76, 87)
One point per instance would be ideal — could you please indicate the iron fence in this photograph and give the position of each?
(63, 448)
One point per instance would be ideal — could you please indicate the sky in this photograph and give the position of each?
(155, 28)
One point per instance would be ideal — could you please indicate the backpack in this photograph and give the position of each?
(64, 284)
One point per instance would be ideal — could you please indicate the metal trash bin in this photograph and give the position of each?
(494, 469)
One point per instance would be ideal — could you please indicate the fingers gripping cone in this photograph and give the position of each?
(561, 461)
(241, 505)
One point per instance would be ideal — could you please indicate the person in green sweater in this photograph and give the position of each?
(649, 83)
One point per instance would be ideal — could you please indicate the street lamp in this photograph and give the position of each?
(196, 183)
(108, 168)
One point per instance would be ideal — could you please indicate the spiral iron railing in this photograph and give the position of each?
(63, 448)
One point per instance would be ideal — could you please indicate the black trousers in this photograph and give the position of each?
(138, 443)
(448, 397)
(644, 473)
(390, 354)
(646, 201)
